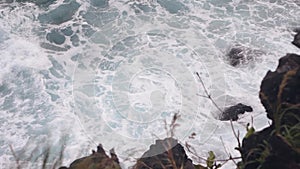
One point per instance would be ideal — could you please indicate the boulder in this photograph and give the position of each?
(97, 160)
(165, 154)
(231, 113)
(280, 90)
(277, 146)
(240, 55)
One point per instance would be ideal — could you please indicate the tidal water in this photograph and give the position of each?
(84, 72)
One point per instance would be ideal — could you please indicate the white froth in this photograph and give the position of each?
(73, 91)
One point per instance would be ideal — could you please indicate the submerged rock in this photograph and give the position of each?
(97, 160)
(165, 154)
(239, 55)
(232, 112)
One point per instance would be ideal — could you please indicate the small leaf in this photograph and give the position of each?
(210, 159)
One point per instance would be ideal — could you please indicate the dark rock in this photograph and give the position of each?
(55, 37)
(114, 156)
(282, 154)
(239, 55)
(277, 146)
(61, 14)
(97, 160)
(280, 89)
(232, 112)
(164, 154)
(287, 63)
(296, 40)
(251, 143)
(273, 151)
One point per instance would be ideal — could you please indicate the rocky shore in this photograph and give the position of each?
(274, 147)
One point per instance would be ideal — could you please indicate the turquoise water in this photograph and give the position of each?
(113, 72)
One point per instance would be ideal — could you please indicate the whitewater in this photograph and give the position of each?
(84, 72)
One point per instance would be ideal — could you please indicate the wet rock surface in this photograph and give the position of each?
(240, 55)
(97, 160)
(281, 89)
(277, 146)
(267, 150)
(274, 147)
(165, 154)
(231, 113)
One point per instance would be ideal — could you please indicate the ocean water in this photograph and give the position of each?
(84, 72)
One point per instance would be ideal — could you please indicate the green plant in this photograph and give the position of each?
(250, 131)
(211, 161)
(287, 125)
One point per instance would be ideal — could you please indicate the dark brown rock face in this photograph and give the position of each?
(173, 156)
(97, 160)
(267, 150)
(231, 113)
(280, 90)
(277, 146)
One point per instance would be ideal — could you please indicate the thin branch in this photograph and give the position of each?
(224, 147)
(193, 151)
(236, 135)
(208, 95)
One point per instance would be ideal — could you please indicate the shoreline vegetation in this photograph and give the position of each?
(276, 146)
